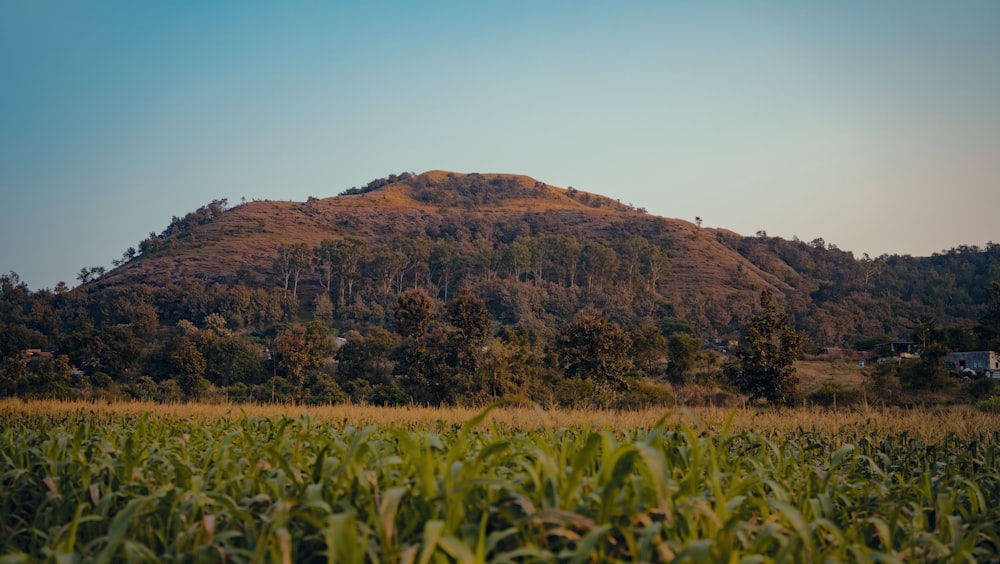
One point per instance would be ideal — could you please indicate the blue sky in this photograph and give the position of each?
(874, 125)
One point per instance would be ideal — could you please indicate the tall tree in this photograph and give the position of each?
(444, 262)
(291, 263)
(649, 349)
(684, 350)
(989, 322)
(766, 358)
(325, 262)
(472, 321)
(599, 263)
(348, 255)
(593, 347)
(414, 310)
(299, 348)
(188, 366)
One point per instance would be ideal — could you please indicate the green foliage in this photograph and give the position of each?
(684, 353)
(414, 311)
(766, 368)
(470, 190)
(988, 329)
(471, 320)
(989, 404)
(643, 394)
(125, 488)
(883, 386)
(831, 394)
(981, 388)
(649, 348)
(388, 395)
(593, 348)
(300, 348)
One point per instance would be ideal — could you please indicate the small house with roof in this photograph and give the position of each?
(978, 363)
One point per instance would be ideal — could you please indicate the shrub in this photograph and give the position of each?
(832, 394)
(981, 388)
(988, 405)
(575, 392)
(388, 394)
(643, 394)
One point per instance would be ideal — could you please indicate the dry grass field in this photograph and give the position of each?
(929, 424)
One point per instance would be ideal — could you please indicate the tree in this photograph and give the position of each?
(318, 342)
(989, 322)
(299, 348)
(684, 351)
(496, 369)
(928, 373)
(291, 262)
(469, 315)
(649, 348)
(114, 350)
(766, 359)
(591, 347)
(90, 274)
(188, 366)
(340, 261)
(324, 262)
(51, 378)
(352, 357)
(414, 310)
(230, 359)
(12, 289)
(655, 266)
(599, 263)
(383, 267)
(445, 260)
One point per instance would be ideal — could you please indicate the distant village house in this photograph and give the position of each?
(974, 363)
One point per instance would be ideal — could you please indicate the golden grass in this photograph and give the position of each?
(814, 373)
(930, 424)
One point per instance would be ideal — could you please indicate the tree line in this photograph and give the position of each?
(253, 345)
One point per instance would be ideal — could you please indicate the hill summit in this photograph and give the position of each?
(540, 253)
(471, 210)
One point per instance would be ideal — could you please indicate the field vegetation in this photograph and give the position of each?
(154, 482)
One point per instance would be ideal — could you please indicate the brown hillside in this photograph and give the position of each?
(241, 243)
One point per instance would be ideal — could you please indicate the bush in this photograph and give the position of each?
(832, 394)
(143, 389)
(884, 386)
(388, 394)
(981, 388)
(643, 394)
(988, 405)
(698, 395)
(575, 393)
(323, 390)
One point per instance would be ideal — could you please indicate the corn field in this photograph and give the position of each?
(83, 486)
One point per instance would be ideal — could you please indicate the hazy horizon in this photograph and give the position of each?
(874, 126)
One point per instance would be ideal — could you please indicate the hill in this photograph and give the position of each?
(708, 278)
(239, 245)
(219, 296)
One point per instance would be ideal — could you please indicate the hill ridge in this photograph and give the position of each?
(708, 277)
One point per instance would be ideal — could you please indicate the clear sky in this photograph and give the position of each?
(872, 124)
